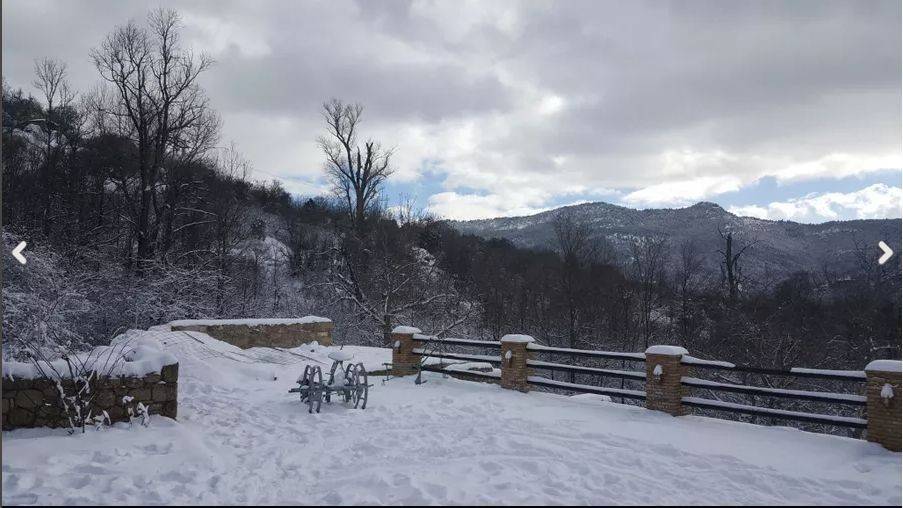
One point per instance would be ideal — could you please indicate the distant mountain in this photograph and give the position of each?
(780, 247)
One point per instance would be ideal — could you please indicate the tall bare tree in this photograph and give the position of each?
(730, 264)
(164, 111)
(577, 250)
(50, 80)
(689, 275)
(357, 172)
(647, 267)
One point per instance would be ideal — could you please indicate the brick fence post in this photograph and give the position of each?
(404, 361)
(514, 356)
(882, 393)
(663, 372)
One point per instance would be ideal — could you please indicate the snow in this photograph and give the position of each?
(657, 371)
(705, 383)
(247, 322)
(340, 356)
(459, 356)
(455, 341)
(716, 404)
(884, 366)
(587, 352)
(242, 439)
(406, 330)
(829, 372)
(591, 397)
(887, 391)
(472, 366)
(513, 337)
(129, 354)
(635, 374)
(269, 250)
(666, 350)
(692, 360)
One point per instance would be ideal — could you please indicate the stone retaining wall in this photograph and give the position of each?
(265, 335)
(35, 402)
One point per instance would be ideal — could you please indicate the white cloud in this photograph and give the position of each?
(522, 104)
(217, 35)
(838, 165)
(472, 206)
(683, 192)
(878, 201)
(551, 104)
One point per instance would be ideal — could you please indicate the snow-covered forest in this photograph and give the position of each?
(135, 215)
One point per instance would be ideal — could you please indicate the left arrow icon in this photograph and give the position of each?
(17, 253)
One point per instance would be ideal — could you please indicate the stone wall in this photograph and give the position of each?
(35, 402)
(265, 335)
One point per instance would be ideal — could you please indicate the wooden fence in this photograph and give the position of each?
(669, 379)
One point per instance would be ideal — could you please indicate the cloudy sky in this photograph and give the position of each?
(784, 109)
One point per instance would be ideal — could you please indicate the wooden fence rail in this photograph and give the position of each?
(667, 377)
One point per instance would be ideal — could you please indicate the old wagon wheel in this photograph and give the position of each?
(303, 381)
(350, 378)
(315, 389)
(361, 386)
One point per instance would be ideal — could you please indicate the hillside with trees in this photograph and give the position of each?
(134, 216)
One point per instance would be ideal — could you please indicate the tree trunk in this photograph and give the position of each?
(387, 330)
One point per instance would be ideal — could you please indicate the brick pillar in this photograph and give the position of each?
(404, 361)
(169, 375)
(514, 362)
(663, 373)
(882, 392)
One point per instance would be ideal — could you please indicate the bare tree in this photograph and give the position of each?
(730, 264)
(649, 257)
(688, 277)
(158, 100)
(356, 173)
(50, 80)
(577, 249)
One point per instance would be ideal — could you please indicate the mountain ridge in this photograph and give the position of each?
(780, 247)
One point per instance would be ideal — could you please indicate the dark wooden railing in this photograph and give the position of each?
(433, 347)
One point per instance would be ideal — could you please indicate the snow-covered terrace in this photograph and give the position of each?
(241, 438)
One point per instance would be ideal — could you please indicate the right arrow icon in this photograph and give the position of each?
(887, 253)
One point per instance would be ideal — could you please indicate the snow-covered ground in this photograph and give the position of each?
(241, 438)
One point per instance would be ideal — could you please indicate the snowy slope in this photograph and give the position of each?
(241, 438)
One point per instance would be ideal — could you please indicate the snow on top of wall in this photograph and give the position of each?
(406, 330)
(802, 370)
(692, 360)
(594, 397)
(513, 337)
(885, 366)
(129, 354)
(247, 322)
(666, 350)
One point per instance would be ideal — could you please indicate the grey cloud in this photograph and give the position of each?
(792, 80)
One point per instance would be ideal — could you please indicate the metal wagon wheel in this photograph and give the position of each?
(304, 388)
(350, 378)
(361, 387)
(315, 389)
